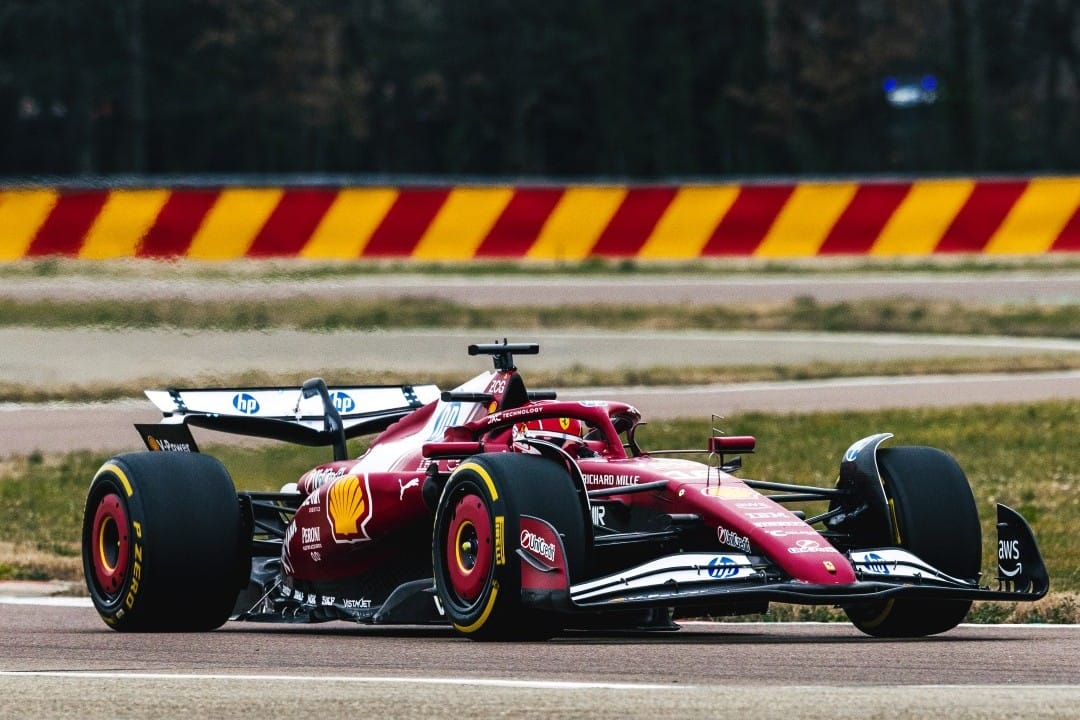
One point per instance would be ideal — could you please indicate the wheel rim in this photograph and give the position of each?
(110, 544)
(469, 548)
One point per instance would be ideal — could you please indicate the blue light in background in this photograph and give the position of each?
(909, 91)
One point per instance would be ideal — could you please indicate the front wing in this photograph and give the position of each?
(703, 579)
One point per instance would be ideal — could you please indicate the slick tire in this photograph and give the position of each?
(162, 545)
(476, 537)
(936, 520)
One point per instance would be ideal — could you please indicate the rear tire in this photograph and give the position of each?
(162, 542)
(477, 526)
(936, 520)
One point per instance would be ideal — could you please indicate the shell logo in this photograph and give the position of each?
(729, 492)
(348, 508)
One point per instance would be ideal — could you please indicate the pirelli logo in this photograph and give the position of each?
(500, 541)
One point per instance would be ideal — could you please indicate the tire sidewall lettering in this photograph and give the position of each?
(108, 480)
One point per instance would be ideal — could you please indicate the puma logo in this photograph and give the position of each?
(415, 482)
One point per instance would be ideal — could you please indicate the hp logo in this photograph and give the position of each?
(876, 564)
(245, 403)
(343, 402)
(722, 567)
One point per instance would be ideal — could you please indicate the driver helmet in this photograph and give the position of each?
(559, 431)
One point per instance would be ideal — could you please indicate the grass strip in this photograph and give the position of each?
(892, 315)
(293, 269)
(1021, 455)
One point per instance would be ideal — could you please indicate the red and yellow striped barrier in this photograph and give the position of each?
(662, 222)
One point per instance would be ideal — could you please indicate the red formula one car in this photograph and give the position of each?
(511, 514)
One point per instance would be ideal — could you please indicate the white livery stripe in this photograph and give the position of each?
(680, 568)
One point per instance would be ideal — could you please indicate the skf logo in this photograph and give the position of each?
(343, 402)
(349, 509)
(245, 403)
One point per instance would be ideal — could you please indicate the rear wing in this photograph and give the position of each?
(291, 414)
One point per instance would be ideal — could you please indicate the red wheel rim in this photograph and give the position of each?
(469, 547)
(109, 540)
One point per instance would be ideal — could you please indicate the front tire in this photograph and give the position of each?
(477, 526)
(161, 542)
(937, 520)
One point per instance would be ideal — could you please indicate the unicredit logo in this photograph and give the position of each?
(534, 543)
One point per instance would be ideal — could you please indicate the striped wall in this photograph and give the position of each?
(662, 222)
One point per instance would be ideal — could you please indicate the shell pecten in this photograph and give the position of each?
(347, 505)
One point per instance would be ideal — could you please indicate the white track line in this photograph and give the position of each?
(46, 601)
(399, 680)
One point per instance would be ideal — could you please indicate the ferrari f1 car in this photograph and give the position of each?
(511, 514)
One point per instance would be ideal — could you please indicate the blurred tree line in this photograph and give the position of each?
(538, 88)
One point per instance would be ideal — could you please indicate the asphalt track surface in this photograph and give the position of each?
(62, 661)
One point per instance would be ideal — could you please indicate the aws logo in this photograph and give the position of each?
(349, 507)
